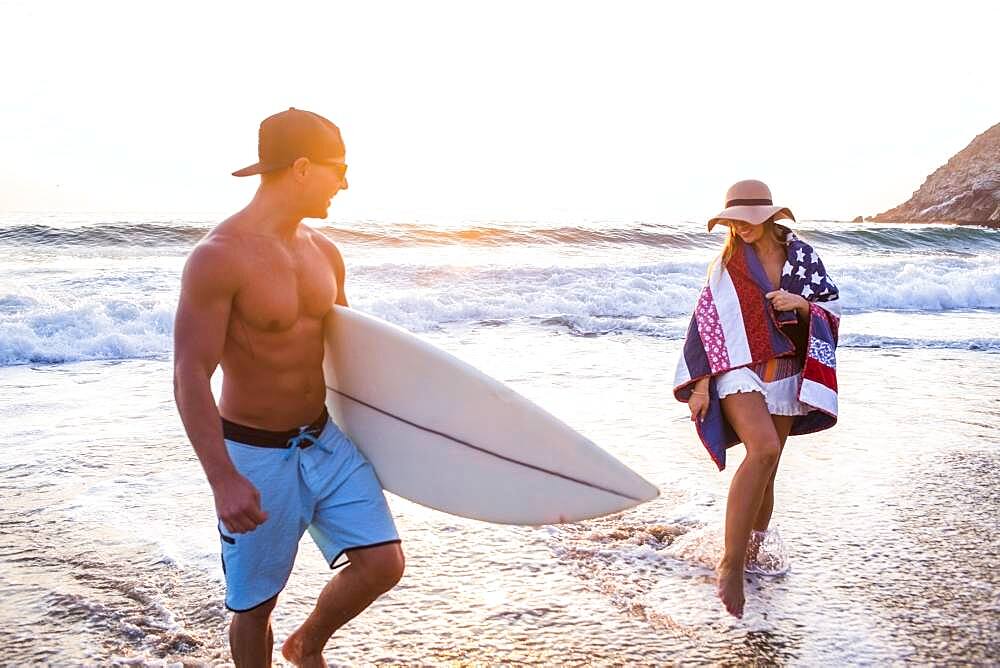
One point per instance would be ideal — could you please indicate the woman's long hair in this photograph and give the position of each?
(771, 226)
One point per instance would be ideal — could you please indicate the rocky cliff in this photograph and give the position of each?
(964, 190)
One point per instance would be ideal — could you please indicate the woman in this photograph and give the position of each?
(758, 361)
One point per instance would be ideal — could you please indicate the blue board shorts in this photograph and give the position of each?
(317, 480)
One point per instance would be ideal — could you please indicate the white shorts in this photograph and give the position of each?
(781, 396)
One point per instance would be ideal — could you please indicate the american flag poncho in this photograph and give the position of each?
(734, 325)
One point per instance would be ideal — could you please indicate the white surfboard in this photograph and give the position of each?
(445, 435)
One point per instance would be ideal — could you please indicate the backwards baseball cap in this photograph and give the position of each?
(293, 134)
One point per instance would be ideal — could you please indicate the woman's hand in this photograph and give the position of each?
(698, 404)
(783, 300)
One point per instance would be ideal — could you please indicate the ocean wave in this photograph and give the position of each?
(111, 234)
(941, 285)
(916, 238)
(367, 233)
(421, 297)
(93, 332)
(37, 332)
(982, 343)
(921, 239)
(645, 235)
(442, 296)
(130, 315)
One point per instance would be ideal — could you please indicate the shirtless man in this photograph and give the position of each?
(254, 295)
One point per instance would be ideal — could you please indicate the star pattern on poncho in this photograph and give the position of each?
(804, 274)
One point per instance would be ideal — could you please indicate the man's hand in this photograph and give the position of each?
(237, 503)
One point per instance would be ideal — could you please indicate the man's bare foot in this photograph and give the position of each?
(294, 651)
(731, 588)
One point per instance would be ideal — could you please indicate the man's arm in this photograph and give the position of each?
(337, 263)
(208, 287)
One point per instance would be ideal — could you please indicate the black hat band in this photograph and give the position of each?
(748, 202)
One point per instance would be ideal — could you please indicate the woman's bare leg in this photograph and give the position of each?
(748, 415)
(782, 425)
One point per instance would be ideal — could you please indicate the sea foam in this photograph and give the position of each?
(55, 307)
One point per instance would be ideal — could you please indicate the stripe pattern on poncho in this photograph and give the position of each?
(734, 325)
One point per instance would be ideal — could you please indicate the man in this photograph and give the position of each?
(254, 294)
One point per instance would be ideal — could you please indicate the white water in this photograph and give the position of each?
(101, 290)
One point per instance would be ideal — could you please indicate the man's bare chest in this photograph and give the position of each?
(285, 288)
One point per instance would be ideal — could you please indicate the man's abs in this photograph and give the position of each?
(273, 380)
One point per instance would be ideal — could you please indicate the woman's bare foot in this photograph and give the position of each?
(731, 587)
(294, 651)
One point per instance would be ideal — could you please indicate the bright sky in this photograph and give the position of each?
(502, 110)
